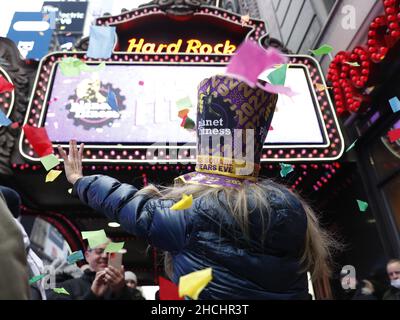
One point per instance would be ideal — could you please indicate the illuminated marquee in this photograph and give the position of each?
(188, 46)
(212, 47)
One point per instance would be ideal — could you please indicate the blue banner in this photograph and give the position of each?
(31, 34)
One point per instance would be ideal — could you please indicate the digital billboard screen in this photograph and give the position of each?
(147, 113)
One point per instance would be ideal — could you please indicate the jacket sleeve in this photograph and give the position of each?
(141, 215)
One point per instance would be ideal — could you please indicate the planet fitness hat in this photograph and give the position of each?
(232, 123)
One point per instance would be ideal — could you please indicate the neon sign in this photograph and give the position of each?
(351, 84)
(191, 46)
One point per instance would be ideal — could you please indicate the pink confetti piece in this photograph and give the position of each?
(251, 60)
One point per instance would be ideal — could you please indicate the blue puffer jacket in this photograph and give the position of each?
(206, 235)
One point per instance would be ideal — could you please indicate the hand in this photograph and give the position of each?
(115, 278)
(73, 161)
(99, 285)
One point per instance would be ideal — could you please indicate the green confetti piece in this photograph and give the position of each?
(36, 278)
(49, 162)
(92, 68)
(61, 291)
(95, 238)
(353, 64)
(114, 247)
(184, 103)
(351, 146)
(324, 49)
(70, 67)
(362, 205)
(278, 76)
(189, 124)
(286, 169)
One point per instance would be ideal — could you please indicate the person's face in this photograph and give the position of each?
(393, 271)
(130, 284)
(97, 258)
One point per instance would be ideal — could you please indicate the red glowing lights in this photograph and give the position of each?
(349, 83)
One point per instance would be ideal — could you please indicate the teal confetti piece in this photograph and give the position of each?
(278, 76)
(351, 146)
(286, 169)
(75, 256)
(36, 278)
(362, 205)
(395, 104)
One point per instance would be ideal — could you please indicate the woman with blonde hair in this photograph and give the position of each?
(259, 238)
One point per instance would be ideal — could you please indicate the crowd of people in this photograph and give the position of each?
(94, 280)
(378, 285)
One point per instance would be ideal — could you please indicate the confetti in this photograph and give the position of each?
(36, 278)
(395, 104)
(168, 290)
(193, 283)
(49, 162)
(185, 203)
(320, 87)
(75, 256)
(189, 124)
(101, 42)
(183, 113)
(351, 146)
(369, 90)
(286, 169)
(4, 121)
(61, 291)
(95, 238)
(251, 60)
(324, 49)
(394, 135)
(39, 140)
(114, 247)
(5, 86)
(184, 103)
(52, 175)
(278, 76)
(244, 19)
(353, 64)
(362, 205)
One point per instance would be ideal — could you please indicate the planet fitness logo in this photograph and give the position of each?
(88, 106)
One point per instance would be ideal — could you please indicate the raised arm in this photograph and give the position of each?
(140, 215)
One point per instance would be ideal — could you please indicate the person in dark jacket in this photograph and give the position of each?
(99, 282)
(259, 238)
(393, 272)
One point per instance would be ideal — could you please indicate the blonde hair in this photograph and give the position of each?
(318, 245)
